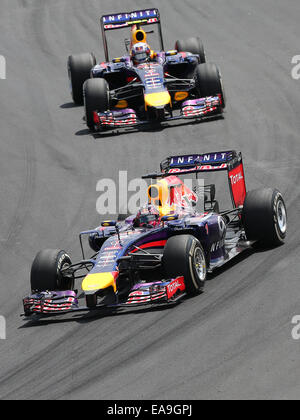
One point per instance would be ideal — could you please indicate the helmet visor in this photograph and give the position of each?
(147, 219)
(141, 56)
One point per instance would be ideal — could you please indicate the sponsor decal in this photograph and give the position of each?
(175, 286)
(153, 79)
(113, 248)
(238, 187)
(127, 17)
(194, 159)
(236, 178)
(147, 66)
(107, 258)
(199, 168)
(217, 245)
(60, 261)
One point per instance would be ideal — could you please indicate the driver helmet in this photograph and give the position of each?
(147, 217)
(140, 52)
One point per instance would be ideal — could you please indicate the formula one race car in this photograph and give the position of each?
(145, 85)
(165, 251)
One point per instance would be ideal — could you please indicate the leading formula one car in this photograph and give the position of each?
(144, 85)
(165, 251)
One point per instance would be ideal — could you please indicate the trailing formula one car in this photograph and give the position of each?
(145, 85)
(165, 251)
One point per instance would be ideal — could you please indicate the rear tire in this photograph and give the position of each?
(184, 256)
(45, 271)
(208, 81)
(192, 45)
(265, 217)
(96, 98)
(79, 70)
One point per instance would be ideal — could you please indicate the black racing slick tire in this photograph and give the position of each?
(184, 256)
(96, 98)
(265, 217)
(193, 45)
(79, 70)
(45, 271)
(208, 81)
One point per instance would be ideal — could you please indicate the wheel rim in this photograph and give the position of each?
(200, 264)
(281, 217)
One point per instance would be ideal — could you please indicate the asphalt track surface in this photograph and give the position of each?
(234, 341)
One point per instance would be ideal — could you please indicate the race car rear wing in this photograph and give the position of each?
(204, 162)
(124, 20)
(230, 161)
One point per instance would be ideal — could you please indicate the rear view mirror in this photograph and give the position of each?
(170, 218)
(109, 223)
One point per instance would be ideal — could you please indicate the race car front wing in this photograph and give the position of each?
(54, 302)
(192, 109)
(50, 302)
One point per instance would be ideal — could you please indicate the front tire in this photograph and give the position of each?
(96, 98)
(265, 217)
(79, 70)
(184, 256)
(45, 271)
(208, 81)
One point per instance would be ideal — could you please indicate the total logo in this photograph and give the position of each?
(174, 286)
(236, 178)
